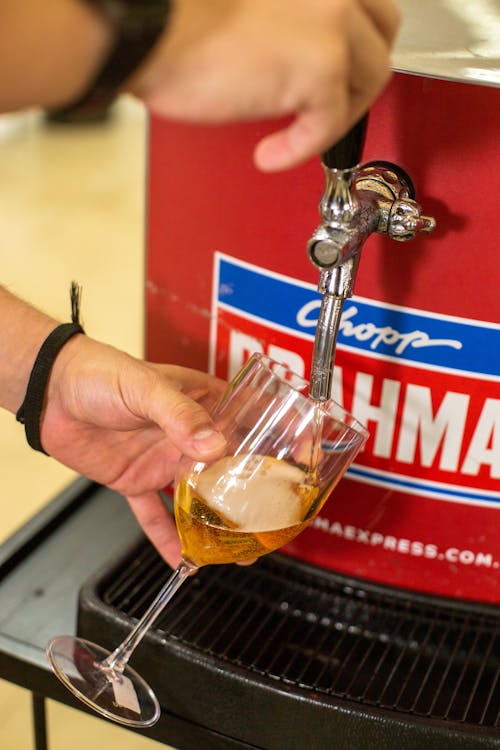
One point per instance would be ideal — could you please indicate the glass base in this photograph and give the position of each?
(121, 696)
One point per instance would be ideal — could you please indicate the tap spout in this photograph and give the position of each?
(335, 286)
(334, 249)
(324, 347)
(357, 201)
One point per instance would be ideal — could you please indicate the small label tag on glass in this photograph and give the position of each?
(125, 695)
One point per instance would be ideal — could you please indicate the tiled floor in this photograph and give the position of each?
(71, 207)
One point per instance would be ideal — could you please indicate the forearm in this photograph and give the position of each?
(23, 329)
(48, 51)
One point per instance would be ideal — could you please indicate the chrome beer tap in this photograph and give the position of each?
(357, 200)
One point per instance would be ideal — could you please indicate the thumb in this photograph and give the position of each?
(312, 131)
(186, 424)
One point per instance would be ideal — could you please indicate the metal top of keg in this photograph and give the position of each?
(458, 41)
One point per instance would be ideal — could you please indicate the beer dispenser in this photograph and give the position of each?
(414, 327)
(378, 624)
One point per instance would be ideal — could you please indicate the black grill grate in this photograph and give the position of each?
(317, 632)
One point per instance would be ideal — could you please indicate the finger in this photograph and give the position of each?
(311, 132)
(186, 424)
(157, 524)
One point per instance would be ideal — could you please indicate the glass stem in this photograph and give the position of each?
(117, 661)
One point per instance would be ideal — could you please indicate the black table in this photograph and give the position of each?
(42, 567)
(49, 564)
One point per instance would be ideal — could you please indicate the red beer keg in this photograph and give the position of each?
(418, 353)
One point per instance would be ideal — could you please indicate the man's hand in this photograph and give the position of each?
(125, 423)
(320, 62)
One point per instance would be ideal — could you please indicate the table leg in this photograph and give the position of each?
(39, 721)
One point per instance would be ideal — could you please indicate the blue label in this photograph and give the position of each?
(367, 326)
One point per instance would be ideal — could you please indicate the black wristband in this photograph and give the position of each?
(137, 26)
(30, 411)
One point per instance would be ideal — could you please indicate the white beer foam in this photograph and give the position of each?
(255, 493)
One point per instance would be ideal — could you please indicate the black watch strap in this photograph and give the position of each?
(137, 26)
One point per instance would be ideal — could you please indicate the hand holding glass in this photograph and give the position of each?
(285, 454)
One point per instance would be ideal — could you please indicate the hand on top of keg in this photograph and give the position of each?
(320, 62)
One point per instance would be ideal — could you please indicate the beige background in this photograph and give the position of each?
(71, 207)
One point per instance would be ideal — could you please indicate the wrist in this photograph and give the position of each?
(85, 38)
(136, 28)
(191, 24)
(23, 331)
(97, 41)
(60, 374)
(30, 411)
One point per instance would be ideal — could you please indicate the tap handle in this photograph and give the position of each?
(346, 153)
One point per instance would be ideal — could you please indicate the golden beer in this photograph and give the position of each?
(240, 508)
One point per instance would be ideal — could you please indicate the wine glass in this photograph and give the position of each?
(285, 454)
